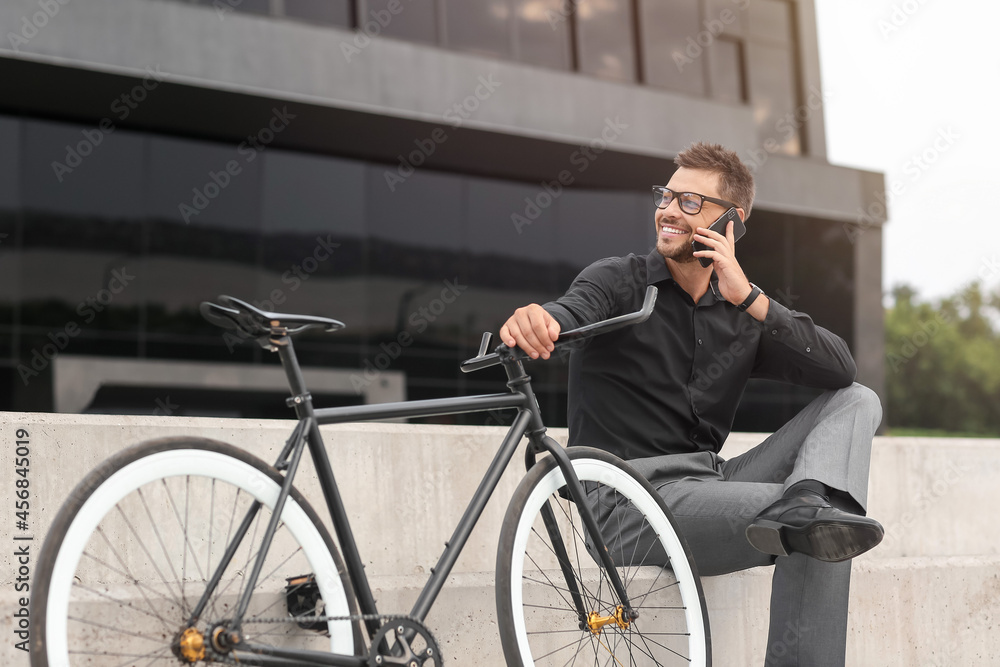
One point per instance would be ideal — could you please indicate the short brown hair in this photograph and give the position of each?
(735, 180)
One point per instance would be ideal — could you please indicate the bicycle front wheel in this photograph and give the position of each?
(556, 605)
(132, 550)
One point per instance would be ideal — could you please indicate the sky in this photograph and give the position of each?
(913, 90)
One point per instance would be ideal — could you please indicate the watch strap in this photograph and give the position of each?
(754, 293)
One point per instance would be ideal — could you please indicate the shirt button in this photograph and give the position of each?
(809, 349)
(699, 341)
(696, 410)
(774, 332)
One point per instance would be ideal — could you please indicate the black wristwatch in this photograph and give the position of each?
(754, 293)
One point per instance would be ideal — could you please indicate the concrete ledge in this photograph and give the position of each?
(929, 593)
(918, 612)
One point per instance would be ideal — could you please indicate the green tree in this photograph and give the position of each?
(943, 361)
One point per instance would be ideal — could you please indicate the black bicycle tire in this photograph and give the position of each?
(93, 480)
(504, 602)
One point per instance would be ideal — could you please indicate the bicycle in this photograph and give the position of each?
(189, 550)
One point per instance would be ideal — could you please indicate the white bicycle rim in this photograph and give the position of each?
(594, 470)
(193, 462)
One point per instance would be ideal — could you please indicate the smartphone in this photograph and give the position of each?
(739, 229)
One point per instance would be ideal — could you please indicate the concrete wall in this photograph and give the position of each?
(928, 596)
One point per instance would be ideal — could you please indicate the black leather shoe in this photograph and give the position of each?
(808, 524)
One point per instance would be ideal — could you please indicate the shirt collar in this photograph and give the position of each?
(657, 271)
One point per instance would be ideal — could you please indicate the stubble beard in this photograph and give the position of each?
(682, 254)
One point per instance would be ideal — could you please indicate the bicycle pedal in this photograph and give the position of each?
(303, 600)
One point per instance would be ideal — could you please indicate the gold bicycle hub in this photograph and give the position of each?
(596, 622)
(192, 644)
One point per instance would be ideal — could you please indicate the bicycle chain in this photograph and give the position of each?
(323, 619)
(384, 618)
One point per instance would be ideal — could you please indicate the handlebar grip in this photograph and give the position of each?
(586, 331)
(615, 323)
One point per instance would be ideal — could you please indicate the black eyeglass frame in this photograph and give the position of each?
(658, 191)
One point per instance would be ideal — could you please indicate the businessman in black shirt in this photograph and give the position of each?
(663, 394)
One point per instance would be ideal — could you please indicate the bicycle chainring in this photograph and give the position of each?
(404, 642)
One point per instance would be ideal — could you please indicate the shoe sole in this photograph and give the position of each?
(830, 541)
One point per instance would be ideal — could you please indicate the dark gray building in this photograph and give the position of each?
(416, 168)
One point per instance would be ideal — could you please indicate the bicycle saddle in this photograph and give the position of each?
(232, 313)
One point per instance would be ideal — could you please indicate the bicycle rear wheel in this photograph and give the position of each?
(131, 551)
(539, 621)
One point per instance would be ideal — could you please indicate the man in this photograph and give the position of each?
(663, 394)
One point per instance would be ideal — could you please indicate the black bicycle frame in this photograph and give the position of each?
(527, 422)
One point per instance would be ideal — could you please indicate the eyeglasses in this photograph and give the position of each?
(689, 202)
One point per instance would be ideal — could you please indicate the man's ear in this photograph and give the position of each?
(743, 215)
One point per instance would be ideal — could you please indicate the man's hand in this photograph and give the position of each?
(532, 329)
(733, 283)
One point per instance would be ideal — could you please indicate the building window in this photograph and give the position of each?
(479, 26)
(324, 12)
(671, 50)
(541, 33)
(725, 70)
(771, 74)
(606, 39)
(417, 21)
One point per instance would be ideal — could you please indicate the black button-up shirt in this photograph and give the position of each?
(672, 384)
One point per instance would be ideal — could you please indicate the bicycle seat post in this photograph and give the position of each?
(281, 343)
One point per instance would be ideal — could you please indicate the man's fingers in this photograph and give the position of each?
(554, 329)
(506, 337)
(532, 329)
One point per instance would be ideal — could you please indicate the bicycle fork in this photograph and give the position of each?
(588, 619)
(519, 381)
(226, 638)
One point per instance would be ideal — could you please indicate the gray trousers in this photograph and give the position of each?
(713, 501)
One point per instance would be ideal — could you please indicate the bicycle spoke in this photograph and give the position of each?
(159, 538)
(142, 544)
(128, 573)
(638, 535)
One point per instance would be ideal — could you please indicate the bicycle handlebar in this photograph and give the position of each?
(586, 331)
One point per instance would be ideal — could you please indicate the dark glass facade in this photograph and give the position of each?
(108, 248)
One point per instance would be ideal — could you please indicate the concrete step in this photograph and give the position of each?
(929, 591)
(913, 612)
